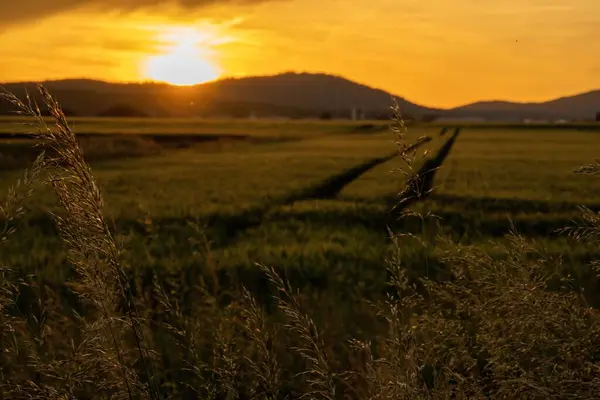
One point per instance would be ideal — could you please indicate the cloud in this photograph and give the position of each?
(13, 12)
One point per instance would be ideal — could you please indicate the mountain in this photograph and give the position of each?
(582, 106)
(289, 94)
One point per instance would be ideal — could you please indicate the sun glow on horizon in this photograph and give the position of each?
(185, 60)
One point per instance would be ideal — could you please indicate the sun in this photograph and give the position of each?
(184, 61)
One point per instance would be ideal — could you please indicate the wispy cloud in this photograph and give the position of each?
(13, 12)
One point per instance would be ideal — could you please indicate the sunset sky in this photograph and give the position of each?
(437, 52)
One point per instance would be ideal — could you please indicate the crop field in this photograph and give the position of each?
(315, 200)
(525, 175)
(321, 201)
(232, 190)
(189, 126)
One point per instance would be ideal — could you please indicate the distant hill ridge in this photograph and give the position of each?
(289, 94)
(583, 106)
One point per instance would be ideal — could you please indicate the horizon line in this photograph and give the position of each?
(240, 77)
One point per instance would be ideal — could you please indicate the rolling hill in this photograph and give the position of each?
(289, 94)
(582, 106)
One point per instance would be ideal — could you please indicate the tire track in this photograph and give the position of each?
(422, 185)
(333, 185)
(230, 227)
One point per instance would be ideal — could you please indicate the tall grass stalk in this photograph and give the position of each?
(320, 378)
(264, 365)
(92, 250)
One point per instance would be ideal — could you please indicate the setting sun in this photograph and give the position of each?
(184, 61)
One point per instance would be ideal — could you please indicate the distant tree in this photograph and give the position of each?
(122, 110)
(326, 115)
(429, 117)
(598, 116)
(8, 109)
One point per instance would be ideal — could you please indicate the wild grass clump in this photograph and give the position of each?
(101, 285)
(462, 325)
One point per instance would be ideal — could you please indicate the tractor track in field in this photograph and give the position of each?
(231, 226)
(445, 130)
(426, 176)
(333, 185)
(226, 228)
(463, 214)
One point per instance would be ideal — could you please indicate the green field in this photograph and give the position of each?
(315, 201)
(250, 199)
(188, 126)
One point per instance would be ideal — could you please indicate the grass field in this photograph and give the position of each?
(317, 207)
(261, 202)
(190, 126)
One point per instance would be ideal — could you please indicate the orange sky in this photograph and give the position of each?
(437, 52)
